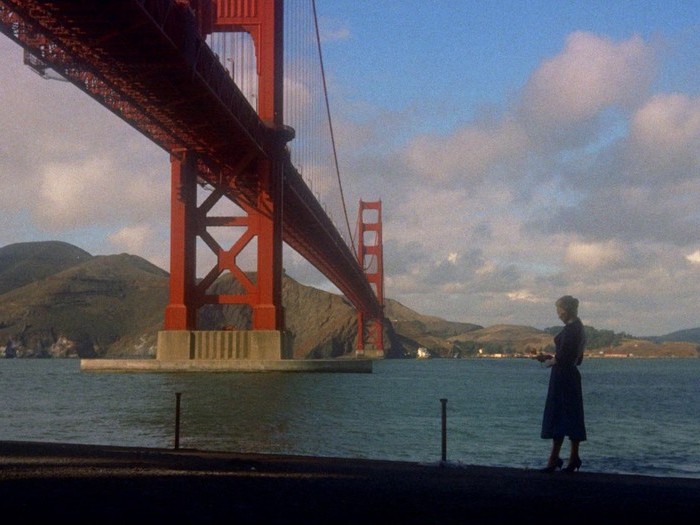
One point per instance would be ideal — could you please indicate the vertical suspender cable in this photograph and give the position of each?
(330, 125)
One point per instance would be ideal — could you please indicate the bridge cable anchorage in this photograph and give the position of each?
(330, 124)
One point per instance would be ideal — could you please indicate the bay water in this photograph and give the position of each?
(642, 415)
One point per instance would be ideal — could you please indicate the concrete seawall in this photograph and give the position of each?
(99, 484)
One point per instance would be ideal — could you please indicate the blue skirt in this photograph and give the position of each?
(563, 411)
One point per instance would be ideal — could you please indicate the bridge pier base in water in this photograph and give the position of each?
(174, 345)
(371, 353)
(225, 351)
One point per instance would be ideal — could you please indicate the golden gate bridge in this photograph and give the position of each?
(234, 91)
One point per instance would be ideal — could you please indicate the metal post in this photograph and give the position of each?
(444, 428)
(178, 395)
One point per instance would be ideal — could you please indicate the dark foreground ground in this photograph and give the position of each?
(67, 483)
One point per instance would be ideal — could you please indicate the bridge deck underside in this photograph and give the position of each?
(146, 62)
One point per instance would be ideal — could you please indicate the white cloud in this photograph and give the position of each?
(468, 155)
(132, 239)
(525, 296)
(667, 122)
(593, 255)
(92, 191)
(664, 140)
(591, 73)
(694, 257)
(74, 194)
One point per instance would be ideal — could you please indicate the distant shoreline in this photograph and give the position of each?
(427, 358)
(586, 356)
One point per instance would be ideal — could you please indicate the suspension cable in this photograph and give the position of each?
(330, 124)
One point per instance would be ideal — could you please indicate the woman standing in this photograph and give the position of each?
(563, 411)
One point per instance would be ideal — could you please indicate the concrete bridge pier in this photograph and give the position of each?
(179, 345)
(225, 351)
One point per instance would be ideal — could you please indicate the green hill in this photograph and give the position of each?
(691, 335)
(26, 262)
(83, 309)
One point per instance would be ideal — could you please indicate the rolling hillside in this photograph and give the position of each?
(57, 300)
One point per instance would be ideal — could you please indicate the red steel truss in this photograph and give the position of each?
(263, 19)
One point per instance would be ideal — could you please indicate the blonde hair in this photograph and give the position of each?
(569, 304)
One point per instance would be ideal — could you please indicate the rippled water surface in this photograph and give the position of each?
(643, 416)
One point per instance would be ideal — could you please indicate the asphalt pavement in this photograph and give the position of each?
(102, 484)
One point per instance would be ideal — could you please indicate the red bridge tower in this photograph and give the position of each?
(370, 255)
(262, 219)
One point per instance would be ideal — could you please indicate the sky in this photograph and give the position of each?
(521, 150)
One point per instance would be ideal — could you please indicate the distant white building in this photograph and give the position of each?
(422, 353)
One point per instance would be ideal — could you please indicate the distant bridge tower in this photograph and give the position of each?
(370, 255)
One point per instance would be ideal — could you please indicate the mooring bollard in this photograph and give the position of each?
(444, 429)
(178, 395)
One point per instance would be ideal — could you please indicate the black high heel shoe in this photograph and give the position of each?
(573, 465)
(553, 466)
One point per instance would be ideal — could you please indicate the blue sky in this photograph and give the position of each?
(448, 73)
(468, 53)
(522, 151)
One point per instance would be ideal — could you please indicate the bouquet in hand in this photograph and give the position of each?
(544, 357)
